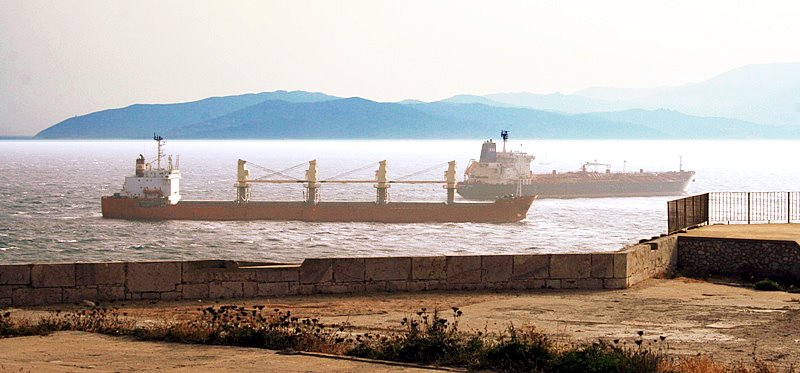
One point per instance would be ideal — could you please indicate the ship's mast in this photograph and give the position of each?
(504, 135)
(160, 141)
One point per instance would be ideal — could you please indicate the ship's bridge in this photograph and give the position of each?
(151, 181)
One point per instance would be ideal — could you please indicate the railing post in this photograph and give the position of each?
(748, 207)
(788, 207)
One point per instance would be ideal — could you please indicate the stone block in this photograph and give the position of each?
(387, 269)
(52, 275)
(375, 287)
(133, 296)
(620, 265)
(637, 260)
(5, 291)
(171, 295)
(527, 284)
(271, 289)
(570, 266)
(195, 291)
(552, 284)
(602, 265)
(435, 284)
(6, 302)
(196, 276)
(36, 296)
(348, 270)
(590, 283)
(106, 293)
(15, 274)
(416, 286)
(99, 274)
(233, 274)
(473, 286)
(153, 276)
(615, 283)
(151, 295)
(316, 271)
(225, 290)
(497, 268)
(306, 289)
(278, 274)
(569, 283)
(463, 269)
(449, 286)
(429, 268)
(196, 265)
(531, 267)
(77, 295)
(498, 286)
(250, 289)
(394, 286)
(333, 289)
(205, 275)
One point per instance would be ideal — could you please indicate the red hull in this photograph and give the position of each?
(500, 211)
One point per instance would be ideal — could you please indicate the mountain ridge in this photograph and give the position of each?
(689, 111)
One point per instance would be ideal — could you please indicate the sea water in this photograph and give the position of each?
(50, 197)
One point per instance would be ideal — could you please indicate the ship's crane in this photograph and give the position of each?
(312, 181)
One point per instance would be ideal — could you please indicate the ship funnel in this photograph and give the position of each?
(489, 152)
(140, 166)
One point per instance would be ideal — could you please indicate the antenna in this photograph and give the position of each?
(504, 135)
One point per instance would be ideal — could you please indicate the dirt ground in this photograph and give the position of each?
(729, 323)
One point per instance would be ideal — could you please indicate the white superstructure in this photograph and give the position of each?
(504, 167)
(151, 181)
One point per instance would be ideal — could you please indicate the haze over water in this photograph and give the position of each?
(50, 198)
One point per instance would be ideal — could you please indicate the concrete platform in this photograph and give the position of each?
(781, 232)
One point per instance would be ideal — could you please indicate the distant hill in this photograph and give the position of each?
(360, 118)
(764, 94)
(303, 115)
(141, 120)
(756, 101)
(473, 99)
(675, 125)
(341, 118)
(558, 102)
(767, 94)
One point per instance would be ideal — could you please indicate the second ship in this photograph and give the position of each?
(509, 172)
(153, 193)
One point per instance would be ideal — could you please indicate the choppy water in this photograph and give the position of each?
(50, 198)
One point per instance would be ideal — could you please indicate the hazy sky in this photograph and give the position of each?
(64, 58)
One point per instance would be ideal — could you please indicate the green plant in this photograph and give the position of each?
(426, 338)
(522, 351)
(767, 285)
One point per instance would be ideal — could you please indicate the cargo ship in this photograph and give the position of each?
(509, 172)
(153, 193)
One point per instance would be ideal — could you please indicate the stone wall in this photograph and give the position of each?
(36, 284)
(701, 257)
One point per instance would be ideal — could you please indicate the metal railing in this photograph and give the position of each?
(754, 207)
(687, 212)
(733, 208)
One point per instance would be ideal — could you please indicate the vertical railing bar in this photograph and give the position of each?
(748, 207)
